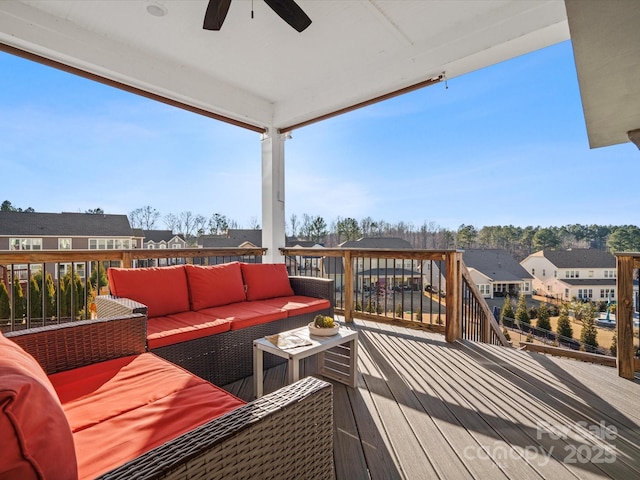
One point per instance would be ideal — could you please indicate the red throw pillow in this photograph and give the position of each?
(163, 289)
(36, 437)
(266, 280)
(215, 285)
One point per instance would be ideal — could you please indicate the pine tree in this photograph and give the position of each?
(5, 306)
(543, 317)
(589, 333)
(18, 301)
(35, 298)
(522, 315)
(564, 328)
(507, 309)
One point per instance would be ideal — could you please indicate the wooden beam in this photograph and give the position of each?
(564, 352)
(624, 317)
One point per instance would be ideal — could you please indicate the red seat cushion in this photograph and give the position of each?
(36, 440)
(123, 408)
(215, 285)
(266, 280)
(298, 304)
(180, 327)
(163, 290)
(246, 314)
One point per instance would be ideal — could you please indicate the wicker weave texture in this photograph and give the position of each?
(71, 345)
(284, 435)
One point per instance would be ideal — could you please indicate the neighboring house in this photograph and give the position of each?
(62, 231)
(234, 238)
(579, 273)
(161, 240)
(375, 273)
(496, 273)
(305, 264)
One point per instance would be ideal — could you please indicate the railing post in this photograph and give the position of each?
(348, 287)
(624, 317)
(453, 296)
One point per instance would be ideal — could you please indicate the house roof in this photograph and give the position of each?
(233, 238)
(585, 282)
(377, 242)
(160, 235)
(580, 258)
(64, 225)
(497, 264)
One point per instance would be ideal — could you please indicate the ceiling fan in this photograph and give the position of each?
(288, 10)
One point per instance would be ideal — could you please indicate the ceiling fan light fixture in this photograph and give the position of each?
(156, 10)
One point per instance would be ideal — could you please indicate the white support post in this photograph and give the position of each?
(273, 222)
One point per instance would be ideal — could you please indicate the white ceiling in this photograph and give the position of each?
(261, 71)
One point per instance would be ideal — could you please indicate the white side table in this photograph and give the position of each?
(337, 356)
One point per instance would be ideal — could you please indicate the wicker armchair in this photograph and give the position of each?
(225, 357)
(286, 434)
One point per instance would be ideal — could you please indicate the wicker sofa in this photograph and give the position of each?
(46, 428)
(206, 318)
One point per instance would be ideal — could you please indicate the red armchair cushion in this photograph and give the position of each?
(181, 327)
(36, 438)
(122, 408)
(163, 290)
(266, 280)
(215, 285)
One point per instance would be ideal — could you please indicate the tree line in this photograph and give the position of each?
(519, 241)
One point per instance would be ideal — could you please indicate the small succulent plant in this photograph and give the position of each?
(323, 321)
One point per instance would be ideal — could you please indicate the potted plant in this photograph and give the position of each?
(324, 326)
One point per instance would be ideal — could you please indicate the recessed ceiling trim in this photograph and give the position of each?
(128, 88)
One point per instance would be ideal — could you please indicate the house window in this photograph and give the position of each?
(64, 244)
(572, 274)
(109, 243)
(21, 271)
(609, 274)
(585, 293)
(526, 286)
(175, 245)
(484, 289)
(25, 244)
(566, 293)
(63, 268)
(533, 271)
(607, 293)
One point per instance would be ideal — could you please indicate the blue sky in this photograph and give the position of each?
(503, 145)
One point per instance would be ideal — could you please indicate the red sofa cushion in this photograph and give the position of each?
(246, 314)
(266, 280)
(215, 285)
(298, 304)
(181, 327)
(125, 407)
(36, 437)
(163, 290)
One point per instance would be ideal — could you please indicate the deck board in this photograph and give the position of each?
(423, 408)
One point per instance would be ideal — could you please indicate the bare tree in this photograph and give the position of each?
(144, 217)
(171, 221)
(293, 219)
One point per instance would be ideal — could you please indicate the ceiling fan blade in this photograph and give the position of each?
(291, 13)
(215, 14)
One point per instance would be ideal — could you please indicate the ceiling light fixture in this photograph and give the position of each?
(634, 136)
(157, 10)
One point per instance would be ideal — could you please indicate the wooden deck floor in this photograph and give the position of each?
(427, 409)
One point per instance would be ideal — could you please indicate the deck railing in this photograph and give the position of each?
(42, 287)
(419, 288)
(422, 288)
(627, 355)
